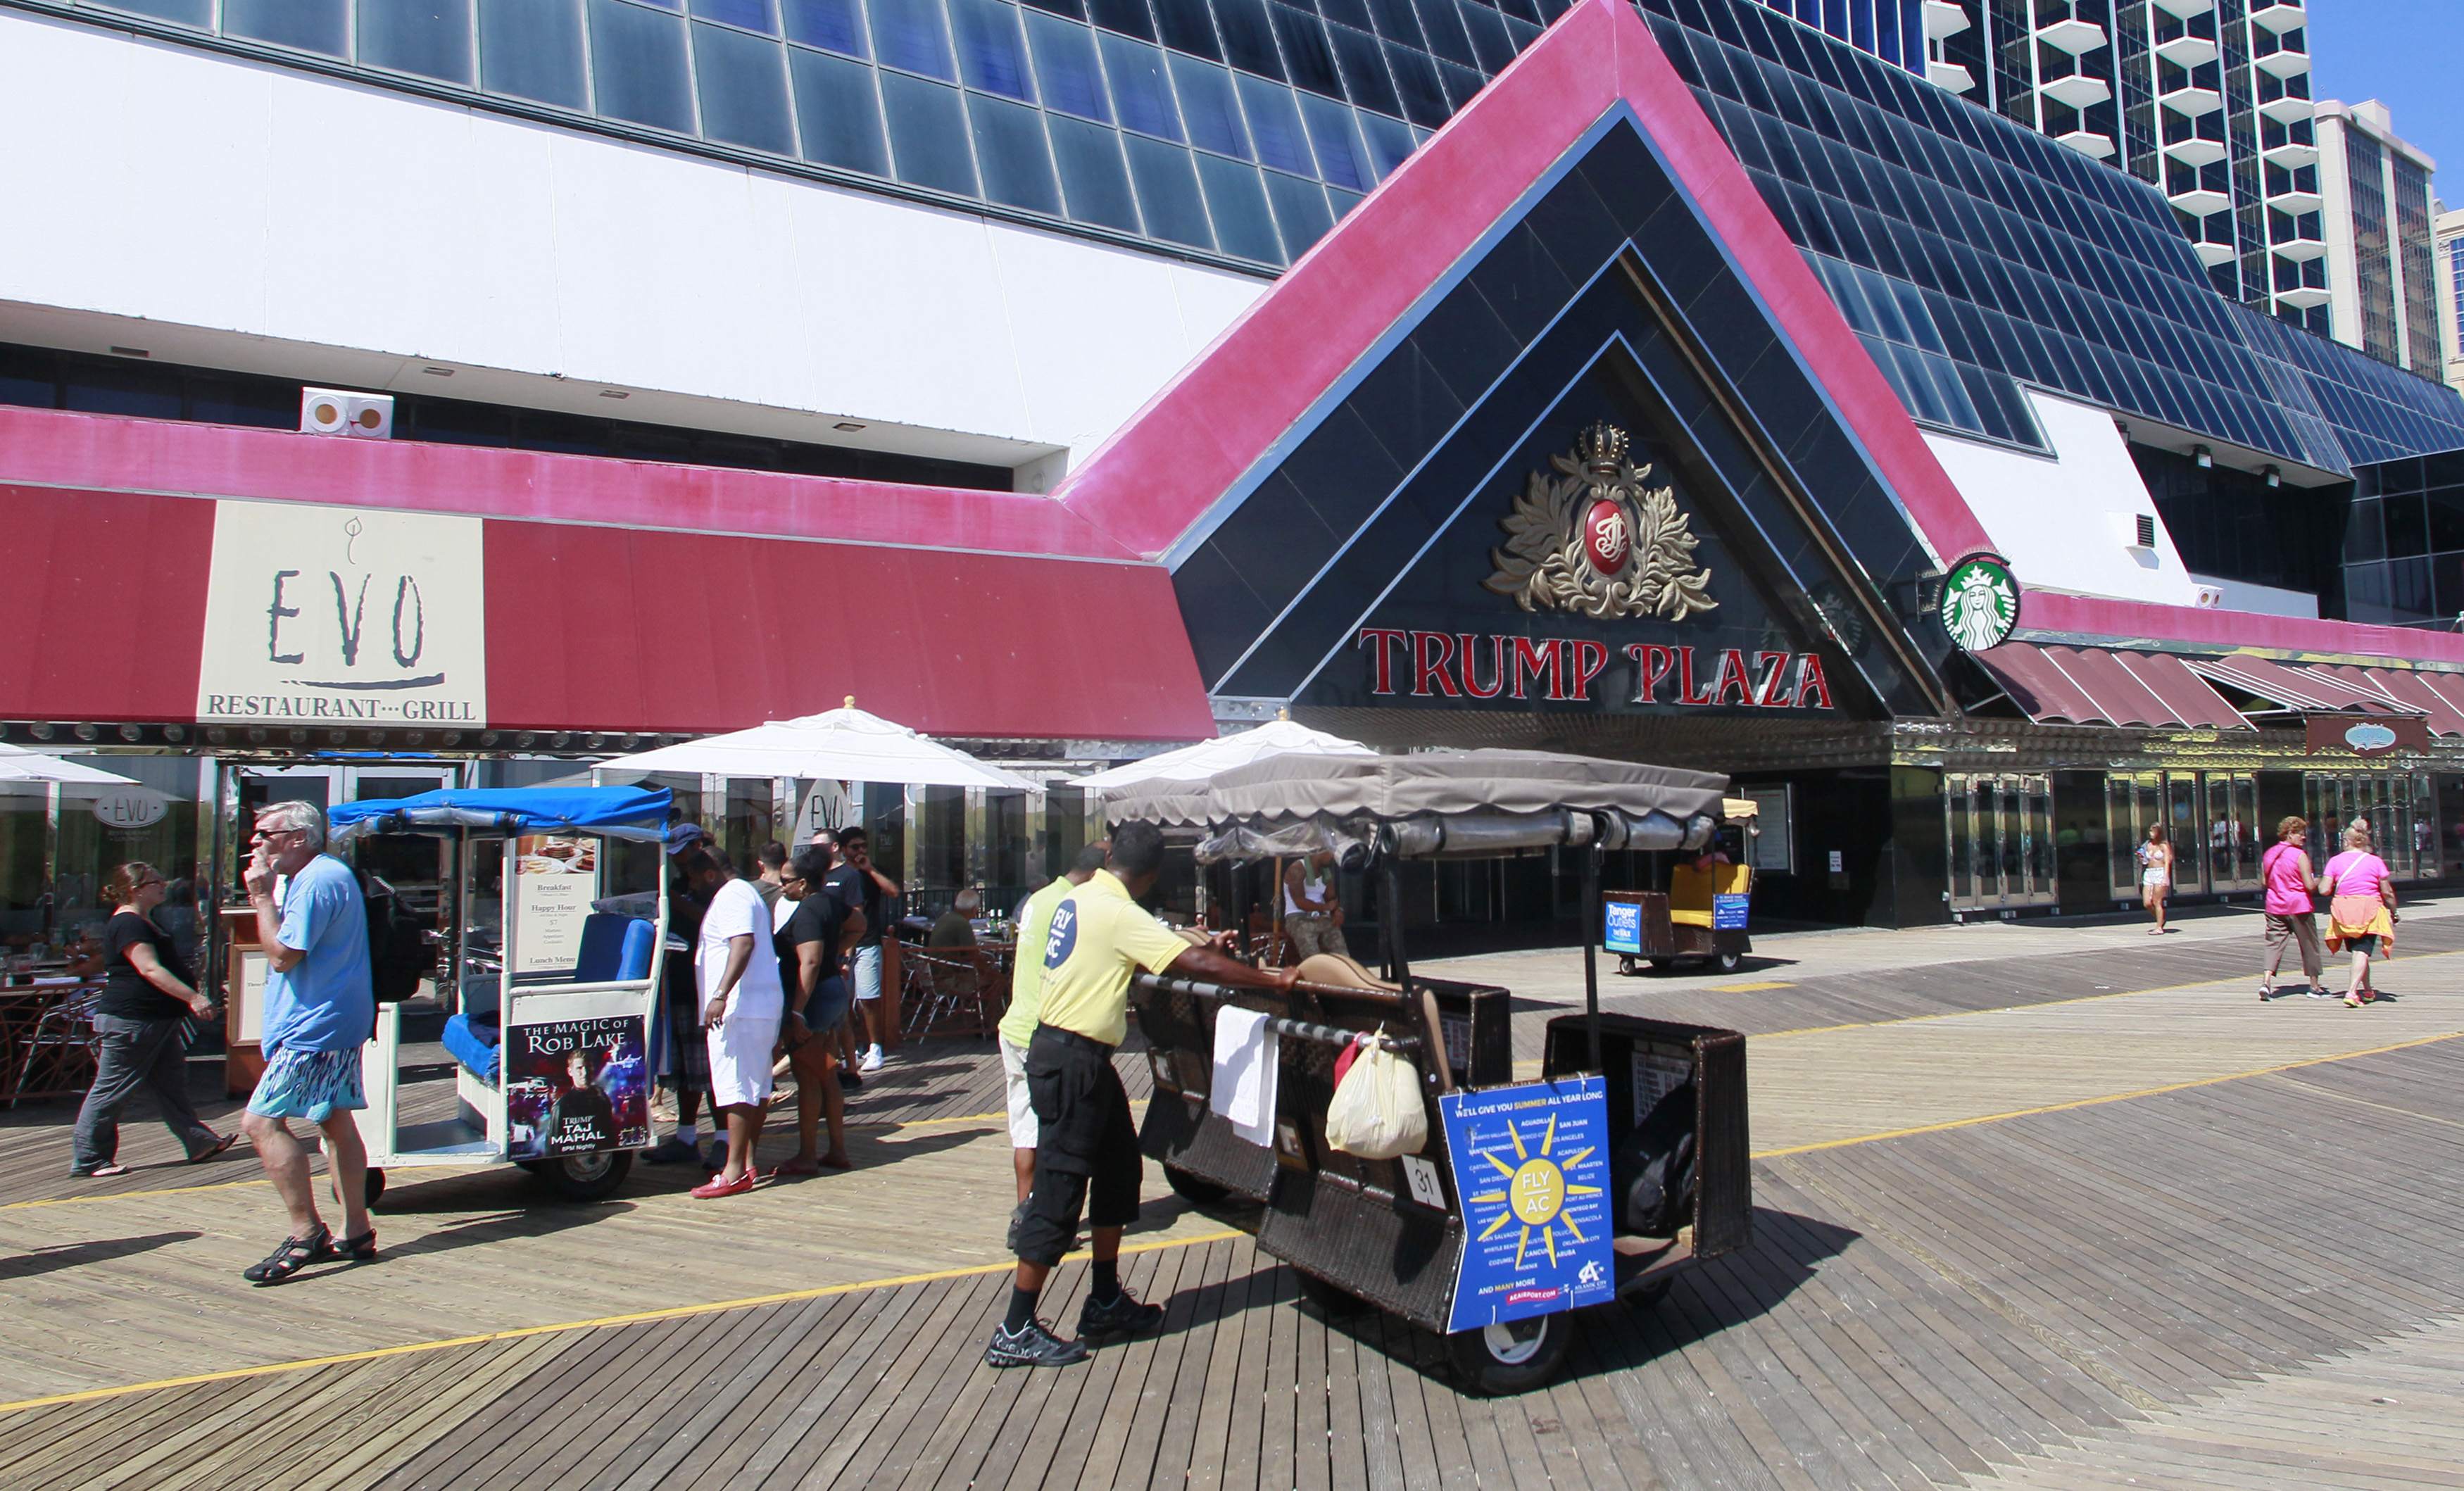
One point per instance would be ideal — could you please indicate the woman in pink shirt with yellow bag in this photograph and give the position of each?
(2361, 914)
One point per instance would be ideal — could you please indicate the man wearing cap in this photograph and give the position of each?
(1087, 1150)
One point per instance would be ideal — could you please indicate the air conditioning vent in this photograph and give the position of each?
(2146, 531)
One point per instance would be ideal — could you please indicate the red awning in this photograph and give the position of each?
(2440, 695)
(2297, 685)
(2100, 685)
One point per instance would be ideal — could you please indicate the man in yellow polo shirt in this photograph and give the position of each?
(1025, 1003)
(1087, 1148)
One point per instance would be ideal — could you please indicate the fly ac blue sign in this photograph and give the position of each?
(1531, 1166)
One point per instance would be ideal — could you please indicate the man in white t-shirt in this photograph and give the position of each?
(736, 975)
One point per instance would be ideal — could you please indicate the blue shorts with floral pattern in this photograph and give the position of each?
(310, 1085)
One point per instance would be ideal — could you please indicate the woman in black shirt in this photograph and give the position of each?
(139, 1040)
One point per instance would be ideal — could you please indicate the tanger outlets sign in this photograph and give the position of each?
(1440, 664)
(344, 616)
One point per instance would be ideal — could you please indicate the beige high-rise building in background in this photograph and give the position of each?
(2447, 266)
(2383, 295)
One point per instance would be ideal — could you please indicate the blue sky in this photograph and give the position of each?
(2409, 54)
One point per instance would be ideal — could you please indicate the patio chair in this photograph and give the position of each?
(60, 1046)
(950, 984)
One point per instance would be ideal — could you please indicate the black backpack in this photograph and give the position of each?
(397, 953)
(1657, 1170)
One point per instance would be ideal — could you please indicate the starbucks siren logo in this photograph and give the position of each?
(1980, 604)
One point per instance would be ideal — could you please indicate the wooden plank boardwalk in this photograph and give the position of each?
(2104, 1285)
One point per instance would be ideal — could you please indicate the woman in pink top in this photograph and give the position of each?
(2285, 868)
(2361, 915)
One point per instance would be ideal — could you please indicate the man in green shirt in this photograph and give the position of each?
(1025, 1003)
(1086, 1155)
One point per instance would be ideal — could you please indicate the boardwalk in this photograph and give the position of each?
(2055, 1221)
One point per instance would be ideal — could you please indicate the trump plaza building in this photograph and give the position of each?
(1666, 381)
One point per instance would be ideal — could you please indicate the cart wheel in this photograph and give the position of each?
(1625, 965)
(1331, 1300)
(1727, 962)
(1514, 1357)
(1194, 1189)
(586, 1177)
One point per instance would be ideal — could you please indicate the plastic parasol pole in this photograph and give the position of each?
(1591, 949)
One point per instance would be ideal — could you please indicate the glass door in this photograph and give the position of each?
(2187, 828)
(1959, 792)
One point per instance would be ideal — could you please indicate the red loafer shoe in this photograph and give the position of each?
(717, 1187)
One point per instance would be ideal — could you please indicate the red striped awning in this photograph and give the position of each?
(2306, 687)
(2104, 685)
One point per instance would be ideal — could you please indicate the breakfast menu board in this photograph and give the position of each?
(555, 878)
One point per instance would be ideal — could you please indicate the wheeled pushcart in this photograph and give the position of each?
(553, 1044)
(1623, 1162)
(1702, 916)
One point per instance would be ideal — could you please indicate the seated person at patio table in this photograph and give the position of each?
(956, 928)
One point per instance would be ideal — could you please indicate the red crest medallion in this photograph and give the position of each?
(1608, 537)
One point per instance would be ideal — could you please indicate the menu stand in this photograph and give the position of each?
(244, 1002)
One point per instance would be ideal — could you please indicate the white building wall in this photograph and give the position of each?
(2067, 521)
(263, 220)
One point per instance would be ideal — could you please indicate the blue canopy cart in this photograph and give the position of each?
(553, 1042)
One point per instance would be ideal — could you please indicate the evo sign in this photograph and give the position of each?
(343, 616)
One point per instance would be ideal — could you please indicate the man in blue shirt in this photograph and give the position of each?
(320, 1009)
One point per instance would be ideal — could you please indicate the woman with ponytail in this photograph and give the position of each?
(140, 1026)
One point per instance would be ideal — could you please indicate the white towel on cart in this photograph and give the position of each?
(1243, 1089)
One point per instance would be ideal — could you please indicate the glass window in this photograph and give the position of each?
(836, 112)
(1207, 106)
(1249, 40)
(743, 84)
(1188, 28)
(1305, 49)
(1389, 141)
(1416, 79)
(1363, 66)
(1138, 89)
(762, 16)
(1092, 180)
(1300, 211)
(832, 25)
(637, 60)
(1168, 192)
(927, 133)
(1122, 16)
(992, 52)
(1337, 142)
(1238, 203)
(532, 48)
(310, 25)
(429, 38)
(1275, 125)
(908, 35)
(1065, 69)
(2408, 534)
(186, 12)
(1010, 147)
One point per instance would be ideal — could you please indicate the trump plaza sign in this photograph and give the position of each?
(1427, 664)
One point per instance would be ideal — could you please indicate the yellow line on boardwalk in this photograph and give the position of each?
(604, 1322)
(2110, 1097)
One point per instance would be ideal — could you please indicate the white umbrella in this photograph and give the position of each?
(21, 765)
(837, 745)
(1201, 761)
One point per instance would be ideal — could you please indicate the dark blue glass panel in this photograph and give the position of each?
(1305, 49)
(1187, 26)
(1010, 150)
(908, 35)
(186, 12)
(1075, 9)
(762, 16)
(1238, 203)
(1139, 92)
(532, 48)
(1168, 192)
(743, 81)
(1389, 141)
(1488, 39)
(1207, 106)
(1275, 126)
(1442, 23)
(310, 25)
(992, 51)
(1065, 67)
(1416, 79)
(1092, 180)
(1300, 211)
(429, 38)
(830, 24)
(836, 112)
(1393, 20)
(1354, 13)
(1337, 143)
(1363, 65)
(1249, 36)
(637, 65)
(1122, 16)
(927, 133)
(1462, 84)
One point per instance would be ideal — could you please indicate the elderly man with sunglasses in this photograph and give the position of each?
(320, 1010)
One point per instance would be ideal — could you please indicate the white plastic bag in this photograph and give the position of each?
(1376, 1113)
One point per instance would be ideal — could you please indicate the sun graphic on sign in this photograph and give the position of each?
(1534, 1193)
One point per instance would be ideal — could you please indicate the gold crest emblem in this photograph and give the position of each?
(1595, 541)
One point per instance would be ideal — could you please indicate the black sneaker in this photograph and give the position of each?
(1031, 1345)
(1124, 1316)
(849, 1080)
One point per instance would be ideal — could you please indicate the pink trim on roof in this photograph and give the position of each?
(47, 448)
(1193, 442)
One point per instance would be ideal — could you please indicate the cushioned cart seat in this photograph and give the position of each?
(1690, 892)
(474, 1045)
(613, 948)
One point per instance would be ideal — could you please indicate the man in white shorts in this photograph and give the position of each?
(1025, 1003)
(736, 973)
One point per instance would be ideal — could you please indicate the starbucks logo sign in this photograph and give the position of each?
(1980, 604)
